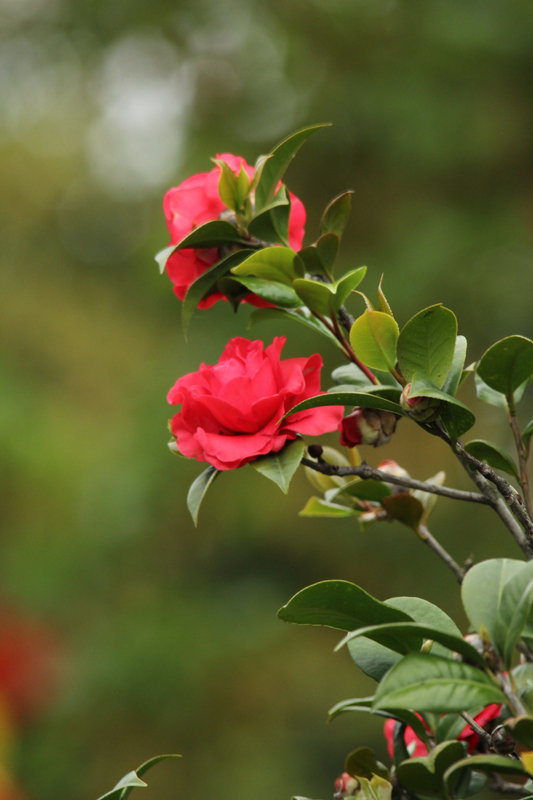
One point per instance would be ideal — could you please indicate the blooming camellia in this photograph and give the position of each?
(231, 411)
(196, 201)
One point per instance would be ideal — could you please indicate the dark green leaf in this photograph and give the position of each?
(271, 224)
(198, 490)
(215, 233)
(493, 455)
(280, 467)
(424, 775)
(320, 256)
(275, 292)
(451, 384)
(361, 762)
(404, 508)
(507, 364)
(483, 763)
(273, 168)
(336, 214)
(326, 298)
(364, 704)
(527, 433)
(368, 489)
(521, 729)
(338, 604)
(302, 316)
(271, 263)
(361, 399)
(426, 344)
(431, 683)
(373, 337)
(455, 415)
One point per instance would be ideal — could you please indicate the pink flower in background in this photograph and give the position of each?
(196, 201)
(231, 411)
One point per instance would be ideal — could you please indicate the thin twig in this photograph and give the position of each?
(426, 537)
(366, 472)
(476, 727)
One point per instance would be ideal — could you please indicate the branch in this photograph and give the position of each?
(366, 472)
(426, 537)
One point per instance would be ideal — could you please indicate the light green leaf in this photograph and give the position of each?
(482, 594)
(336, 214)
(361, 399)
(198, 489)
(514, 610)
(507, 364)
(373, 337)
(492, 455)
(367, 489)
(451, 384)
(426, 344)
(271, 263)
(361, 763)
(317, 507)
(132, 780)
(426, 682)
(338, 604)
(383, 303)
(280, 467)
(274, 166)
(275, 292)
(423, 775)
(482, 763)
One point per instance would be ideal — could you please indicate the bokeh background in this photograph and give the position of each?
(160, 637)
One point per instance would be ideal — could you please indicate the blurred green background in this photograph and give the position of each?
(168, 636)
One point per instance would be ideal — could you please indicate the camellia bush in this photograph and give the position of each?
(458, 705)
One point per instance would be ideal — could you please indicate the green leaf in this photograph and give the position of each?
(317, 507)
(451, 384)
(426, 344)
(361, 763)
(373, 337)
(215, 233)
(431, 683)
(521, 729)
(320, 256)
(423, 775)
(404, 508)
(271, 263)
(364, 704)
(302, 315)
(406, 637)
(280, 467)
(326, 298)
(514, 610)
(336, 214)
(367, 489)
(383, 303)
(492, 455)
(274, 166)
(205, 283)
(507, 364)
(125, 786)
(338, 604)
(198, 490)
(493, 398)
(482, 763)
(232, 189)
(275, 292)
(361, 399)
(527, 433)
(271, 224)
(482, 593)
(456, 417)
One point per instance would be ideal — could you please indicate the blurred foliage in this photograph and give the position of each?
(104, 107)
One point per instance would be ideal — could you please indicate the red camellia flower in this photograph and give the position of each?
(231, 411)
(196, 201)
(467, 735)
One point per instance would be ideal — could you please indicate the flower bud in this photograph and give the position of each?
(423, 409)
(346, 785)
(393, 468)
(367, 426)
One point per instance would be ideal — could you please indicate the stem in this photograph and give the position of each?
(425, 536)
(366, 472)
(481, 732)
(513, 701)
(522, 455)
(349, 350)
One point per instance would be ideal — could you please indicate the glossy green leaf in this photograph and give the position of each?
(424, 775)
(456, 417)
(453, 379)
(215, 233)
(338, 604)
(317, 507)
(406, 637)
(404, 508)
(377, 788)
(275, 292)
(271, 224)
(274, 166)
(482, 593)
(367, 489)
(482, 763)
(198, 489)
(205, 283)
(280, 467)
(361, 399)
(336, 214)
(493, 398)
(271, 263)
(426, 344)
(431, 683)
(364, 704)
(514, 610)
(507, 364)
(373, 337)
(326, 298)
(361, 763)
(492, 455)
(320, 256)
(302, 316)
(232, 188)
